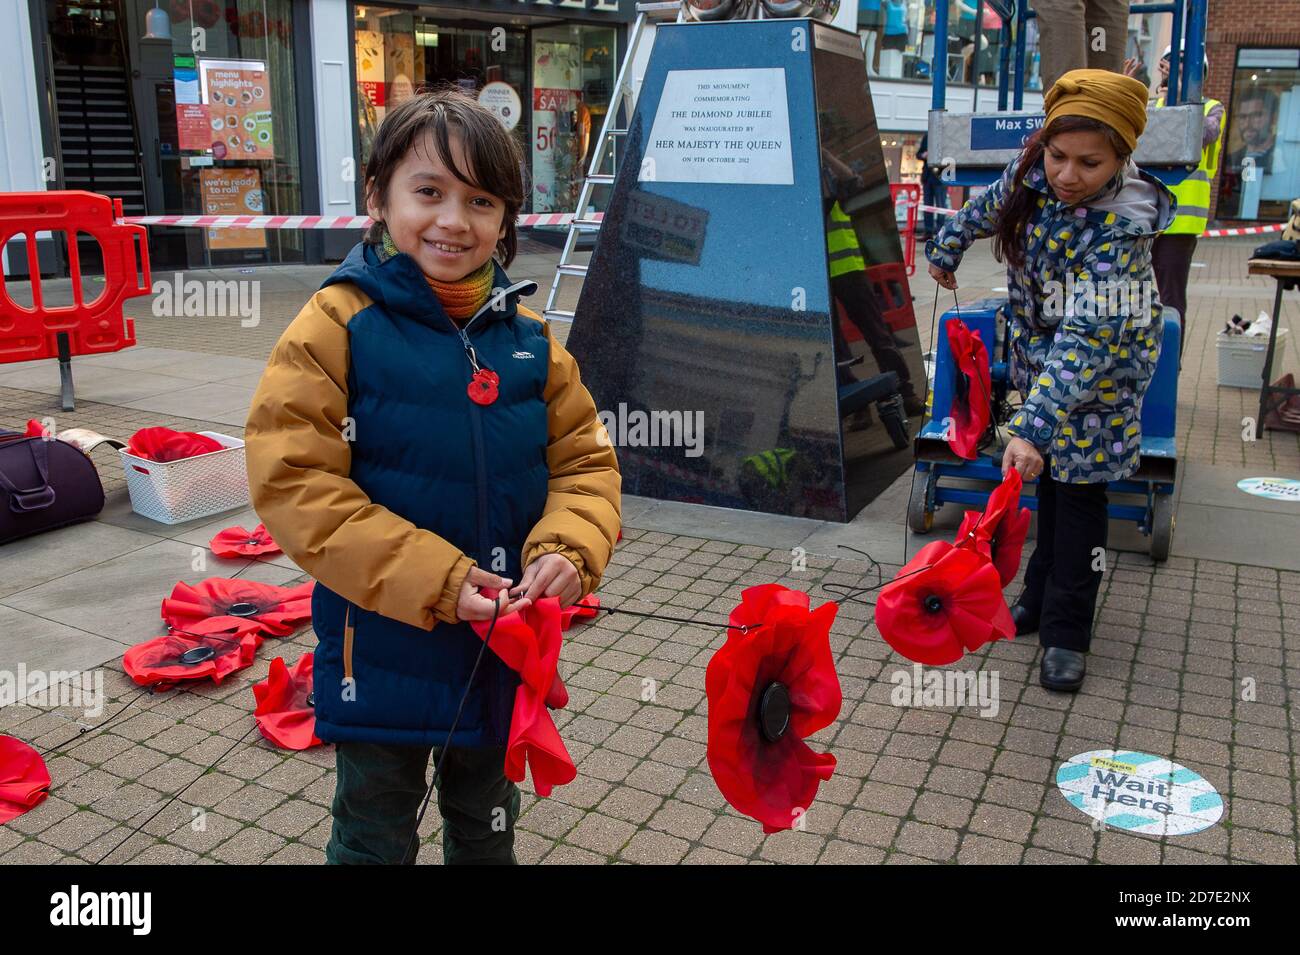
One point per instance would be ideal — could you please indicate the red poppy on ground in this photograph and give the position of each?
(237, 542)
(972, 389)
(946, 601)
(277, 610)
(584, 609)
(286, 709)
(24, 779)
(529, 643)
(207, 649)
(998, 532)
(164, 444)
(769, 687)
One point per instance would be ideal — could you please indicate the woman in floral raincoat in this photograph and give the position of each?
(1074, 220)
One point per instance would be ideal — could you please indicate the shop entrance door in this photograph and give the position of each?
(97, 141)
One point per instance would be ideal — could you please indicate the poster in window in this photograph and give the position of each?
(233, 192)
(504, 102)
(557, 93)
(237, 94)
(370, 70)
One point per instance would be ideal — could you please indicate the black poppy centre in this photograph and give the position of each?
(774, 711)
(196, 655)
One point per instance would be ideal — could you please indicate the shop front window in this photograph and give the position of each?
(227, 125)
(899, 40)
(1261, 161)
(399, 54)
(573, 80)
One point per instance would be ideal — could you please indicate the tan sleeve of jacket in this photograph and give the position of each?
(298, 465)
(583, 504)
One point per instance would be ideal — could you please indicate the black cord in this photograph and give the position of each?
(446, 747)
(171, 799)
(82, 731)
(927, 412)
(743, 628)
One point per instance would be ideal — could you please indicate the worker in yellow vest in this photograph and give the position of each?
(851, 286)
(1171, 257)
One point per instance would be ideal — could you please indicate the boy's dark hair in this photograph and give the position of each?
(1009, 239)
(494, 153)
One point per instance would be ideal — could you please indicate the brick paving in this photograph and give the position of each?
(1195, 659)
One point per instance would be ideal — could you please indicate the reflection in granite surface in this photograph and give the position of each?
(711, 303)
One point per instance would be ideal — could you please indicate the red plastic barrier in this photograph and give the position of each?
(912, 198)
(92, 327)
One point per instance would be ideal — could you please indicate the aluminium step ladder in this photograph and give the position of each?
(646, 13)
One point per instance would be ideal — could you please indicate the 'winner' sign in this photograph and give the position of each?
(721, 126)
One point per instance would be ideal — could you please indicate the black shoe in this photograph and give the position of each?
(1023, 621)
(1062, 669)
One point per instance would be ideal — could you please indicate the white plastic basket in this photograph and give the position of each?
(1241, 359)
(172, 492)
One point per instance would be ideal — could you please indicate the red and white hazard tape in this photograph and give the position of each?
(535, 219)
(315, 222)
(1207, 234)
(1244, 230)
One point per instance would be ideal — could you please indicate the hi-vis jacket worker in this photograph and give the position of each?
(1171, 256)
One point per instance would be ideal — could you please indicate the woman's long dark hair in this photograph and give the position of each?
(1018, 210)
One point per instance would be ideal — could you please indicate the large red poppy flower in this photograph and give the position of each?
(584, 609)
(207, 649)
(24, 779)
(164, 444)
(771, 685)
(998, 532)
(277, 610)
(237, 542)
(972, 389)
(286, 709)
(946, 601)
(528, 642)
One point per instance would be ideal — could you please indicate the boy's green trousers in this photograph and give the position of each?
(380, 789)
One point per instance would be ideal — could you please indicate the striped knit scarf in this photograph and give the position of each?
(460, 299)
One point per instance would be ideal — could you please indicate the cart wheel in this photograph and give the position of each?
(920, 516)
(891, 414)
(1162, 526)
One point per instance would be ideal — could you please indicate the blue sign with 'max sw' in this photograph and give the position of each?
(1002, 132)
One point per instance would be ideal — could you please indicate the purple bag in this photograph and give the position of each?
(43, 485)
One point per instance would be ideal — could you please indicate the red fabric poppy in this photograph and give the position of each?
(528, 642)
(277, 610)
(484, 387)
(237, 542)
(584, 609)
(946, 601)
(24, 778)
(164, 444)
(972, 392)
(286, 710)
(207, 649)
(998, 532)
(769, 687)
